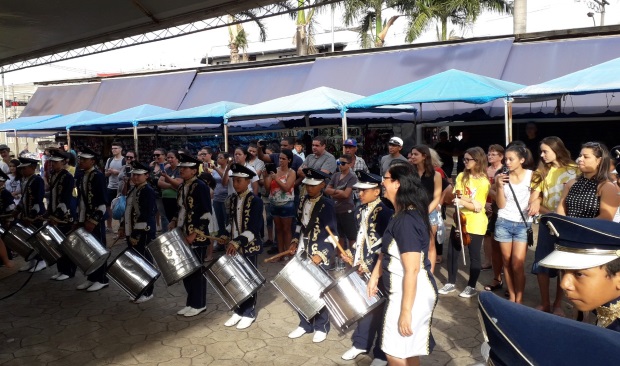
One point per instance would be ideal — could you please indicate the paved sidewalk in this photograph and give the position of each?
(51, 323)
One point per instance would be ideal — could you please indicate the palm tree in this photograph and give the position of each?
(458, 12)
(238, 37)
(304, 32)
(520, 17)
(370, 15)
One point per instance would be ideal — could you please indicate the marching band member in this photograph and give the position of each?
(246, 222)
(587, 253)
(373, 217)
(138, 223)
(404, 268)
(31, 207)
(61, 208)
(92, 211)
(193, 219)
(7, 205)
(315, 212)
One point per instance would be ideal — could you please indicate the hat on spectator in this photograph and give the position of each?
(350, 142)
(396, 141)
(580, 243)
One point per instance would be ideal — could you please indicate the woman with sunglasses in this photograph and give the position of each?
(157, 166)
(404, 268)
(474, 185)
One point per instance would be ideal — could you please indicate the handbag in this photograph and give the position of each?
(118, 207)
(530, 232)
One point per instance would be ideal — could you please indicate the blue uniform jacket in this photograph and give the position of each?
(93, 196)
(142, 212)
(62, 204)
(315, 236)
(248, 230)
(376, 223)
(197, 206)
(31, 204)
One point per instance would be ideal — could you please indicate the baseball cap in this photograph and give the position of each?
(396, 141)
(350, 142)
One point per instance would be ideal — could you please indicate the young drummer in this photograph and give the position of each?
(138, 223)
(315, 212)
(372, 217)
(246, 221)
(61, 208)
(194, 201)
(587, 253)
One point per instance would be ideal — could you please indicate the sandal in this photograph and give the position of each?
(498, 285)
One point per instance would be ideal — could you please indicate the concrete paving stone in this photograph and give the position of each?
(78, 345)
(458, 332)
(75, 331)
(77, 358)
(220, 362)
(145, 352)
(159, 337)
(23, 361)
(279, 341)
(202, 359)
(192, 350)
(206, 341)
(225, 350)
(458, 352)
(107, 349)
(34, 339)
(177, 325)
(139, 326)
(5, 357)
(196, 331)
(177, 362)
(257, 333)
(119, 356)
(228, 335)
(176, 342)
(250, 344)
(131, 339)
(53, 355)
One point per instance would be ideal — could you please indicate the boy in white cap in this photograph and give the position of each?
(587, 253)
(395, 145)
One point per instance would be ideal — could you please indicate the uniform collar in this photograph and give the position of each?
(243, 194)
(608, 313)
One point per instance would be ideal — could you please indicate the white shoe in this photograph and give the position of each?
(447, 288)
(27, 266)
(319, 336)
(245, 322)
(55, 276)
(84, 285)
(234, 319)
(352, 353)
(62, 277)
(39, 267)
(184, 310)
(468, 292)
(378, 362)
(297, 333)
(96, 286)
(193, 312)
(143, 298)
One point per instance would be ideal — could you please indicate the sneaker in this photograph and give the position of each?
(468, 292)
(184, 310)
(234, 319)
(55, 276)
(193, 312)
(27, 266)
(62, 277)
(352, 353)
(96, 286)
(143, 298)
(298, 332)
(447, 288)
(84, 285)
(245, 322)
(378, 362)
(39, 267)
(319, 336)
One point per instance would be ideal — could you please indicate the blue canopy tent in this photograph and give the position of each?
(125, 118)
(24, 121)
(321, 100)
(448, 86)
(61, 123)
(600, 78)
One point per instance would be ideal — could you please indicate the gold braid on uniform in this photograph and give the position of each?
(607, 314)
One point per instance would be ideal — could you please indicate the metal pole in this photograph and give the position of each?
(333, 48)
(69, 139)
(3, 97)
(226, 137)
(509, 121)
(344, 126)
(16, 144)
(135, 137)
(506, 137)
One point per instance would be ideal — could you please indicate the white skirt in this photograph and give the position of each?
(419, 343)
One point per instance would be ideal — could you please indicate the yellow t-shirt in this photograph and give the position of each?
(553, 185)
(478, 189)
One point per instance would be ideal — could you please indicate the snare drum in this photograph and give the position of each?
(347, 299)
(48, 241)
(301, 282)
(16, 238)
(85, 250)
(132, 273)
(173, 256)
(234, 278)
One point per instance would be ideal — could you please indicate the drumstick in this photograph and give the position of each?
(277, 256)
(329, 231)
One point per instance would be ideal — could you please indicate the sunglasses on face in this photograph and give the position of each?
(129, 157)
(156, 155)
(340, 162)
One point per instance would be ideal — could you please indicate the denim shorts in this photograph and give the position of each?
(433, 217)
(509, 231)
(286, 210)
